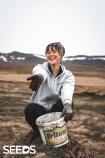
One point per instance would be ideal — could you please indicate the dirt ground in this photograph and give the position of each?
(87, 80)
(87, 127)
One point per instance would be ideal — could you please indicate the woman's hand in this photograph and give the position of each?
(36, 81)
(67, 112)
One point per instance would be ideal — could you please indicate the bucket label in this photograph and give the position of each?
(56, 136)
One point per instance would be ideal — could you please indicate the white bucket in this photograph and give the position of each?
(53, 129)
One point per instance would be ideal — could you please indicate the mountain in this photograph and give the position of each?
(84, 60)
(18, 58)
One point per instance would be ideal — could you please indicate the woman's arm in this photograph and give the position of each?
(67, 89)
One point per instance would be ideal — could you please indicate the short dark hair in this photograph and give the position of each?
(58, 46)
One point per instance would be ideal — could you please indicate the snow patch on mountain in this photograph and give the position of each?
(20, 58)
(98, 58)
(40, 56)
(3, 58)
(73, 58)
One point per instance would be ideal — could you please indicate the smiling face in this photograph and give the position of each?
(53, 56)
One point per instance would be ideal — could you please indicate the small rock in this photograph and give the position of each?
(40, 155)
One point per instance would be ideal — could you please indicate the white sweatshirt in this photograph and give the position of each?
(53, 88)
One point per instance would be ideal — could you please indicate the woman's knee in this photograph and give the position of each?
(29, 109)
(34, 110)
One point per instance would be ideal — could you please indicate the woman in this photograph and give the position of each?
(53, 87)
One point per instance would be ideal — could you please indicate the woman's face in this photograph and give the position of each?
(53, 56)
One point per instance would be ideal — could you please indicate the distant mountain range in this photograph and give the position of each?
(25, 59)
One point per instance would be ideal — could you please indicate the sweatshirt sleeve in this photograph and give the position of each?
(38, 70)
(67, 89)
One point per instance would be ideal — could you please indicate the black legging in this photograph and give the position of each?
(33, 111)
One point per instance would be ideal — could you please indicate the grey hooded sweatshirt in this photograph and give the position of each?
(53, 88)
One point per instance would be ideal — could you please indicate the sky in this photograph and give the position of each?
(29, 26)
